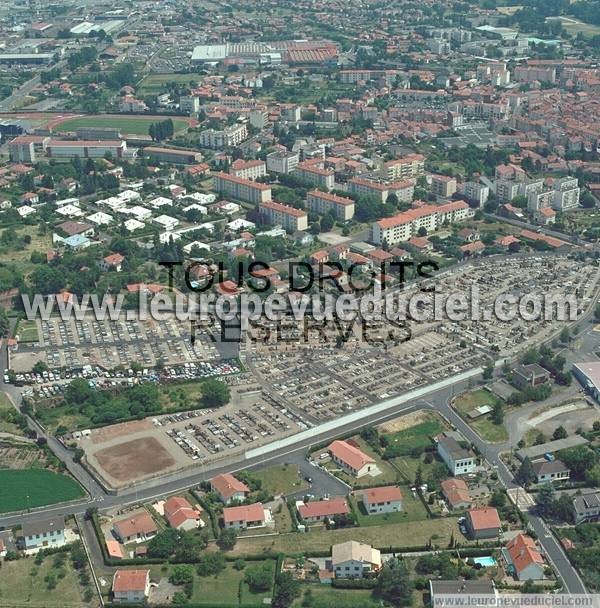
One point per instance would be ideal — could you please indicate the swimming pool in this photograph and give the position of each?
(487, 562)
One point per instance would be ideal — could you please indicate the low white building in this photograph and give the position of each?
(131, 586)
(166, 221)
(133, 225)
(386, 499)
(100, 218)
(354, 560)
(459, 460)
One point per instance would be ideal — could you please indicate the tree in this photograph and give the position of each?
(497, 415)
(526, 475)
(559, 433)
(488, 371)
(565, 335)
(579, 459)
(39, 367)
(181, 574)
(286, 591)
(214, 393)
(164, 543)
(563, 508)
(545, 499)
(393, 583)
(498, 499)
(4, 322)
(259, 577)
(211, 563)
(227, 539)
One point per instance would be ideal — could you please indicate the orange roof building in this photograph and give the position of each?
(483, 523)
(131, 585)
(229, 488)
(457, 493)
(245, 516)
(138, 527)
(350, 458)
(320, 510)
(180, 514)
(385, 499)
(525, 559)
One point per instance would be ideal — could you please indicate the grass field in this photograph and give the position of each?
(7, 410)
(324, 596)
(22, 584)
(28, 488)
(418, 436)
(574, 27)
(281, 479)
(483, 425)
(28, 331)
(412, 510)
(127, 124)
(21, 257)
(154, 83)
(406, 534)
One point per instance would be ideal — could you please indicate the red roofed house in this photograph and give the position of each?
(522, 555)
(319, 510)
(387, 499)
(112, 262)
(351, 459)
(457, 493)
(138, 527)
(113, 547)
(131, 585)
(245, 516)
(229, 488)
(180, 514)
(483, 523)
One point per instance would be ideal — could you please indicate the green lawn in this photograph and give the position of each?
(406, 534)
(28, 331)
(154, 83)
(28, 488)
(324, 596)
(483, 425)
(412, 510)
(281, 479)
(7, 414)
(587, 29)
(127, 124)
(22, 584)
(416, 437)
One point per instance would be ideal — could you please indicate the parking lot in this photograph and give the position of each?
(110, 344)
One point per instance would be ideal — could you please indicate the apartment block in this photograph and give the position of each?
(85, 149)
(315, 174)
(411, 165)
(226, 138)
(287, 217)
(444, 186)
(26, 148)
(533, 74)
(475, 192)
(323, 202)
(566, 194)
(189, 104)
(402, 227)
(360, 186)
(282, 162)
(242, 189)
(251, 169)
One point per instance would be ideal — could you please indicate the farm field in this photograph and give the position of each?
(483, 425)
(154, 83)
(133, 125)
(22, 584)
(28, 331)
(29, 488)
(574, 27)
(407, 534)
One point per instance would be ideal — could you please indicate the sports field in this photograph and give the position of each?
(28, 488)
(131, 125)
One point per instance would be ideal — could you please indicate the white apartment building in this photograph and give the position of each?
(282, 162)
(226, 138)
(411, 165)
(290, 218)
(365, 187)
(401, 227)
(324, 202)
(457, 459)
(316, 175)
(242, 189)
(476, 192)
(251, 169)
(566, 194)
(190, 104)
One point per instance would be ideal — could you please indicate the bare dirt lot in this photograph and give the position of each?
(119, 430)
(133, 459)
(404, 422)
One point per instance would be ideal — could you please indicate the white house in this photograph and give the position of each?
(228, 488)
(100, 218)
(387, 499)
(245, 516)
(131, 586)
(548, 471)
(354, 560)
(45, 533)
(166, 221)
(457, 459)
(133, 225)
(354, 461)
(160, 201)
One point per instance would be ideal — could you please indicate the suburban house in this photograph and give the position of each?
(529, 375)
(524, 559)
(587, 507)
(387, 499)
(229, 488)
(114, 549)
(180, 514)
(319, 510)
(456, 492)
(139, 527)
(353, 460)
(476, 587)
(354, 560)
(114, 261)
(459, 460)
(45, 533)
(245, 516)
(131, 586)
(483, 523)
(550, 470)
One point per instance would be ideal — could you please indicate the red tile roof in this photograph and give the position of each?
(353, 457)
(484, 519)
(141, 523)
(178, 509)
(382, 494)
(523, 552)
(227, 485)
(246, 513)
(130, 580)
(324, 508)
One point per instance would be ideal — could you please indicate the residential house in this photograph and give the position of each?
(550, 470)
(353, 460)
(483, 523)
(245, 516)
(131, 586)
(44, 533)
(457, 493)
(138, 527)
(587, 507)
(180, 514)
(114, 261)
(459, 460)
(354, 560)
(524, 559)
(529, 375)
(229, 488)
(387, 499)
(320, 510)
